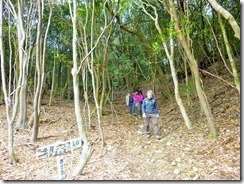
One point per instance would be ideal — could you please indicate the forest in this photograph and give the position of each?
(70, 71)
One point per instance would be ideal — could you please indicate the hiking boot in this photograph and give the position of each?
(148, 136)
(158, 137)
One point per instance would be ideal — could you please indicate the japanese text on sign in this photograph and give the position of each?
(59, 148)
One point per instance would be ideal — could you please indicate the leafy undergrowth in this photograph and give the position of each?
(181, 154)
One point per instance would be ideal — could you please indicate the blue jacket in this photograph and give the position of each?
(149, 106)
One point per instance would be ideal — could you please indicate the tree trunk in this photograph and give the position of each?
(53, 79)
(176, 83)
(22, 65)
(177, 93)
(38, 69)
(40, 66)
(227, 15)
(85, 89)
(86, 151)
(44, 45)
(96, 73)
(110, 87)
(193, 65)
(230, 54)
(187, 83)
(104, 69)
(94, 86)
(6, 97)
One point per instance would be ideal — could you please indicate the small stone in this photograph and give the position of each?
(139, 132)
(158, 151)
(165, 172)
(168, 143)
(176, 171)
(109, 148)
(195, 169)
(148, 160)
(187, 149)
(173, 163)
(149, 173)
(183, 154)
(178, 160)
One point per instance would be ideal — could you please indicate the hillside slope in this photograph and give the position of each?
(180, 155)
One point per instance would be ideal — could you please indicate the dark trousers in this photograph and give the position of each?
(132, 108)
(138, 108)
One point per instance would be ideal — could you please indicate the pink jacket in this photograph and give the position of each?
(138, 98)
(135, 96)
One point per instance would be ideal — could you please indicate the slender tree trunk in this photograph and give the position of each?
(177, 93)
(40, 66)
(91, 70)
(86, 150)
(38, 69)
(110, 87)
(65, 88)
(53, 79)
(230, 54)
(43, 73)
(227, 15)
(193, 64)
(176, 83)
(96, 73)
(104, 69)
(59, 76)
(22, 65)
(5, 93)
(187, 84)
(85, 89)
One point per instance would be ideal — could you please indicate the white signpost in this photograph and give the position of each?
(59, 149)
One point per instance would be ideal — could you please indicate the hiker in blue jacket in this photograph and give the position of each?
(150, 112)
(130, 103)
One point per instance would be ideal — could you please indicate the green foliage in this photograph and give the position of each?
(188, 89)
(212, 135)
(156, 47)
(127, 51)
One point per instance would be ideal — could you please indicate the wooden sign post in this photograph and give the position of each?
(59, 149)
(60, 161)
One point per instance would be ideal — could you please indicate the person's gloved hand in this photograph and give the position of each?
(157, 116)
(144, 115)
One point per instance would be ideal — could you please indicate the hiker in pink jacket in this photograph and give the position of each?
(138, 99)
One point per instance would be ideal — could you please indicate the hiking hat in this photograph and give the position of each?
(150, 91)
